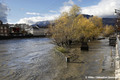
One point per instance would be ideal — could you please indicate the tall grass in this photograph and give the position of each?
(62, 49)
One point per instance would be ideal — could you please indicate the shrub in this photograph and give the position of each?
(62, 49)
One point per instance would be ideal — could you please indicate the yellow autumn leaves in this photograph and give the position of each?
(72, 26)
(108, 30)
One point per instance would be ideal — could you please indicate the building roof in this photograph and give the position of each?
(35, 27)
(1, 22)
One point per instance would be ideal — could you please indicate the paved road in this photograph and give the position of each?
(29, 59)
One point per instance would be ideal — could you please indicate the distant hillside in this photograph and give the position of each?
(106, 21)
(42, 23)
(109, 21)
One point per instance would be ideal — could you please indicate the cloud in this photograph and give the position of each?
(65, 9)
(32, 20)
(67, 6)
(105, 8)
(52, 11)
(3, 12)
(32, 13)
(70, 2)
(43, 17)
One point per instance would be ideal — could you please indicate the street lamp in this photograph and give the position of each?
(117, 12)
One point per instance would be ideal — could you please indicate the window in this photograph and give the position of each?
(5, 31)
(6, 34)
(2, 34)
(1, 27)
(1, 31)
(5, 27)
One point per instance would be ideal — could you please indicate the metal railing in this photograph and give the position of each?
(117, 60)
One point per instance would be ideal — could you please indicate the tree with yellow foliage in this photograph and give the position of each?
(85, 29)
(97, 21)
(108, 30)
(72, 26)
(62, 31)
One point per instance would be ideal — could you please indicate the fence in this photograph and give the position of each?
(117, 60)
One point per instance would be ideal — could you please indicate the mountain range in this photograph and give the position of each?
(106, 21)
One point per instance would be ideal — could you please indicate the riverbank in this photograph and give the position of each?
(97, 62)
(22, 37)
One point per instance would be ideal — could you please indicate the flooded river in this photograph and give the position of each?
(34, 59)
(97, 62)
(28, 59)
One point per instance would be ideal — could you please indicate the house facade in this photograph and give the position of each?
(4, 29)
(20, 30)
(15, 31)
(39, 31)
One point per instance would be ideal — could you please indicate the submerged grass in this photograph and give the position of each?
(62, 49)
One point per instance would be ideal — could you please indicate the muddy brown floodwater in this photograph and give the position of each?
(29, 59)
(95, 64)
(35, 59)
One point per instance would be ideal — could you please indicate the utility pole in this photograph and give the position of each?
(117, 27)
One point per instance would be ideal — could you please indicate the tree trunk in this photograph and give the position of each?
(84, 46)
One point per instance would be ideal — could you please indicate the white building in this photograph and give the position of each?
(39, 31)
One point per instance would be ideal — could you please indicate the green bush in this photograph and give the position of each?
(62, 49)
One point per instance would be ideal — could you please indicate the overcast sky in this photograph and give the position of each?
(31, 11)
